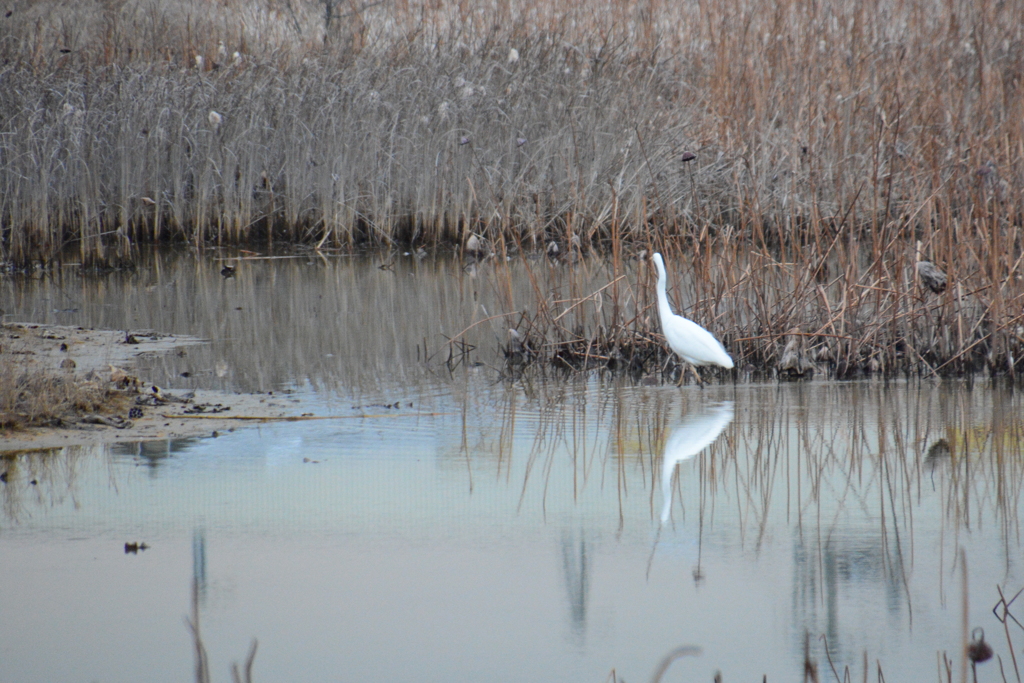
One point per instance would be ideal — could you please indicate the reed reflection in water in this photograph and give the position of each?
(860, 498)
(356, 325)
(829, 510)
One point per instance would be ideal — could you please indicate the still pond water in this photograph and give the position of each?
(543, 529)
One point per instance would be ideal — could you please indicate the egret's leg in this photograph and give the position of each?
(700, 382)
(687, 367)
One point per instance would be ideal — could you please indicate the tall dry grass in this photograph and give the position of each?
(414, 122)
(826, 138)
(32, 398)
(856, 313)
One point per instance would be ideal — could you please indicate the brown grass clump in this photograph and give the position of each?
(40, 398)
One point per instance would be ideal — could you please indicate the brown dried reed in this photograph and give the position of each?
(791, 150)
(776, 318)
(41, 398)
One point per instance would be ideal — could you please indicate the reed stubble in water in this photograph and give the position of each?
(815, 148)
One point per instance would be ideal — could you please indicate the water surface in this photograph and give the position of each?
(488, 529)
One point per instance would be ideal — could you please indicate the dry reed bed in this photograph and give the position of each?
(38, 398)
(823, 135)
(861, 313)
(420, 125)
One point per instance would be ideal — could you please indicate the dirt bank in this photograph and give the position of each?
(84, 390)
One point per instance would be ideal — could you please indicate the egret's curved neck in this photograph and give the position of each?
(663, 306)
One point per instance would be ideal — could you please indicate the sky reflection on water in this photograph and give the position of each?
(462, 546)
(535, 530)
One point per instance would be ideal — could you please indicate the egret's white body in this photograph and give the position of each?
(687, 339)
(690, 437)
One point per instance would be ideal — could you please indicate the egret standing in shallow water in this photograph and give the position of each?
(687, 339)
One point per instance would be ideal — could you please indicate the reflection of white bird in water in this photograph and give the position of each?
(687, 339)
(695, 433)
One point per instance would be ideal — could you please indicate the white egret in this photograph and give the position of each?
(687, 339)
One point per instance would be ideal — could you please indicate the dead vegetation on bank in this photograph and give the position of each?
(38, 398)
(71, 377)
(43, 385)
(40, 385)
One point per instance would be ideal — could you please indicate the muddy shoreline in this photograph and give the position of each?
(107, 359)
